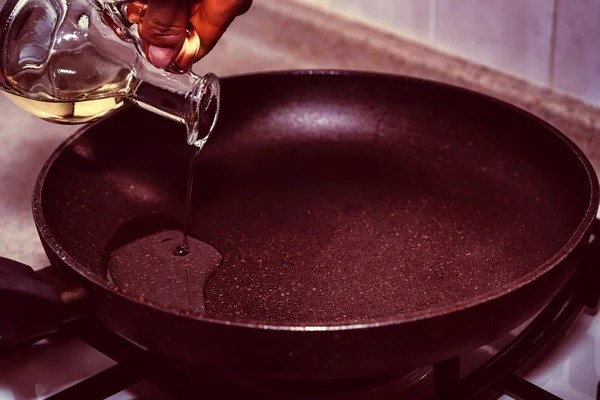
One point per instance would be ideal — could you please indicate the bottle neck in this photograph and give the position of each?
(186, 98)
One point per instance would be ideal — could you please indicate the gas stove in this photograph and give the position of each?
(551, 356)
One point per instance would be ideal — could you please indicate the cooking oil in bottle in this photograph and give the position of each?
(68, 112)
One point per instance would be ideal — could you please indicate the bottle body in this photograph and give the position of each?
(77, 61)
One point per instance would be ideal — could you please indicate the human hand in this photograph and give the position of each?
(165, 21)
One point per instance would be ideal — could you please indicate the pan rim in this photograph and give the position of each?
(575, 240)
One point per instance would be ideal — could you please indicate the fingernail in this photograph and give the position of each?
(161, 57)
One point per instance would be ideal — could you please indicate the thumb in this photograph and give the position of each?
(163, 30)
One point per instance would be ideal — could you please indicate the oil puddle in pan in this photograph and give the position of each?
(139, 260)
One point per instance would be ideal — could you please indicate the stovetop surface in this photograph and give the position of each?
(570, 370)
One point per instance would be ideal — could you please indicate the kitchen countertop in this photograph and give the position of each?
(295, 37)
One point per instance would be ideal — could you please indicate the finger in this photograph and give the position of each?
(163, 30)
(211, 18)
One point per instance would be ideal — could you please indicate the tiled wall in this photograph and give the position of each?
(552, 43)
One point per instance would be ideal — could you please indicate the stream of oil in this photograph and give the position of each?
(184, 248)
(140, 260)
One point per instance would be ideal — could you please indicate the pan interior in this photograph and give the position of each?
(329, 198)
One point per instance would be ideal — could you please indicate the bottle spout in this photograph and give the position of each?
(204, 104)
(186, 98)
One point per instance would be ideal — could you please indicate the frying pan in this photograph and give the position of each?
(364, 224)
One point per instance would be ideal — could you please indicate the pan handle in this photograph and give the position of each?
(33, 304)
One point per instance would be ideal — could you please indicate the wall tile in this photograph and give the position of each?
(510, 35)
(409, 18)
(577, 49)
